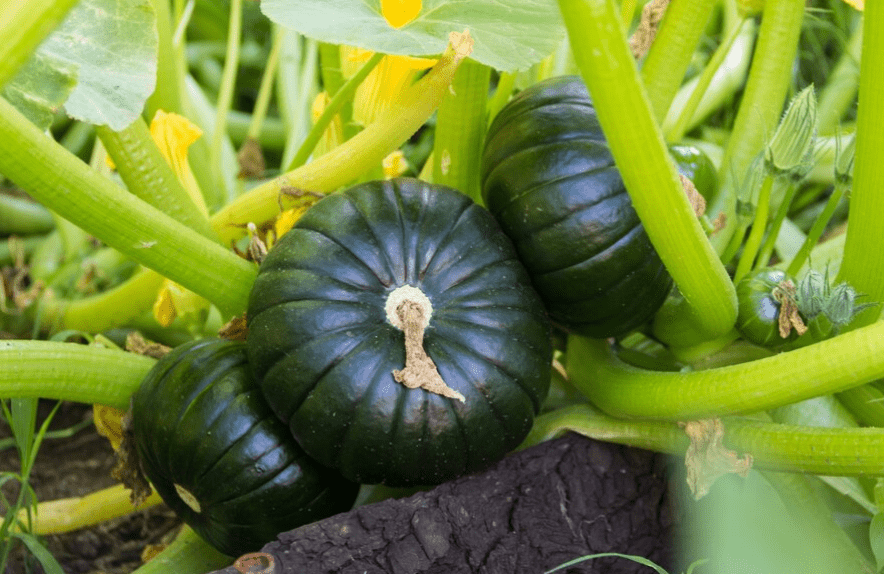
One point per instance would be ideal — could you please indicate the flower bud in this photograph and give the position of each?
(790, 150)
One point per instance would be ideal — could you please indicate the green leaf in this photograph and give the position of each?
(509, 36)
(876, 538)
(47, 561)
(100, 64)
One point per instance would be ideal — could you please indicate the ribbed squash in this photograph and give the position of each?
(220, 458)
(371, 290)
(550, 180)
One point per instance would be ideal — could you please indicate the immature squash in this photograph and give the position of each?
(396, 333)
(220, 458)
(550, 180)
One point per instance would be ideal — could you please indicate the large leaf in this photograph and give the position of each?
(508, 35)
(100, 64)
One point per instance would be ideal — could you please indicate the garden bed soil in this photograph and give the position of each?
(534, 510)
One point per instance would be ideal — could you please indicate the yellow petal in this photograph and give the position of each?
(395, 164)
(174, 134)
(334, 133)
(858, 4)
(287, 219)
(174, 301)
(164, 308)
(109, 423)
(384, 84)
(398, 13)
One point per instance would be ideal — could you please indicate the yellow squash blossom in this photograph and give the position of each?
(382, 86)
(174, 134)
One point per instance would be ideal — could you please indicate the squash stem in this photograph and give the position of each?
(225, 93)
(169, 92)
(672, 50)
(818, 369)
(149, 176)
(340, 98)
(347, 161)
(117, 306)
(713, 74)
(58, 179)
(863, 262)
(839, 93)
(759, 224)
(265, 90)
(67, 514)
(773, 446)
(23, 25)
(769, 80)
(70, 372)
(636, 141)
(460, 130)
(816, 230)
(188, 553)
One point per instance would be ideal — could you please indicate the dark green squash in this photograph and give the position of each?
(220, 458)
(323, 343)
(550, 180)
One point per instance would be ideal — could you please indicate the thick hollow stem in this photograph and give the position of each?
(62, 182)
(672, 50)
(769, 79)
(830, 366)
(773, 446)
(863, 263)
(67, 514)
(460, 129)
(65, 371)
(636, 141)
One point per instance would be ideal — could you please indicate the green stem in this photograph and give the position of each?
(672, 50)
(66, 371)
(56, 178)
(505, 84)
(636, 142)
(149, 176)
(818, 369)
(265, 91)
(347, 161)
(114, 307)
(23, 25)
(753, 242)
(773, 446)
(330, 61)
(20, 216)
(187, 554)
(769, 79)
(816, 230)
(714, 74)
(764, 254)
(839, 93)
(866, 403)
(460, 130)
(170, 66)
(271, 136)
(228, 82)
(863, 263)
(341, 97)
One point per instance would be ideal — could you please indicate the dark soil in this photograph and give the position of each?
(76, 466)
(532, 512)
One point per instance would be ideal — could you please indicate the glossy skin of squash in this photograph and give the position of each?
(220, 458)
(550, 180)
(324, 348)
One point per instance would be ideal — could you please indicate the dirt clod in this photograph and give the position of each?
(531, 512)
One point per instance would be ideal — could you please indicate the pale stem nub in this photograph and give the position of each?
(409, 310)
